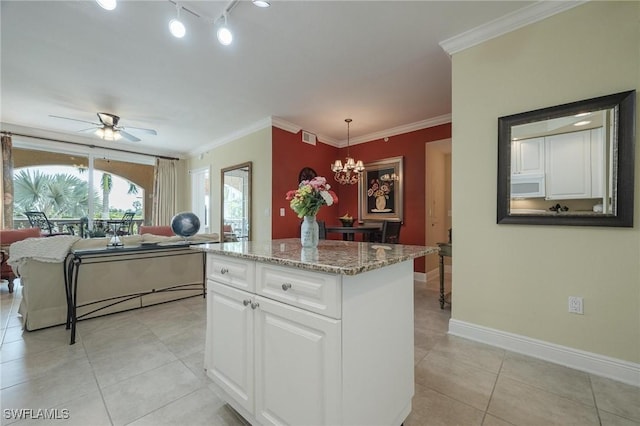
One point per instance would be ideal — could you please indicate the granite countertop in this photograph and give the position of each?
(332, 256)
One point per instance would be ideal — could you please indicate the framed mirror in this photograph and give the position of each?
(570, 164)
(235, 205)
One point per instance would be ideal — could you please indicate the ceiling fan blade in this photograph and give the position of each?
(88, 130)
(74, 119)
(143, 130)
(128, 136)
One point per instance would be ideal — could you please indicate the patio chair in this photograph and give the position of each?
(125, 227)
(40, 220)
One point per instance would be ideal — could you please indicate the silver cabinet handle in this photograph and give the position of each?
(224, 271)
(254, 305)
(286, 286)
(246, 302)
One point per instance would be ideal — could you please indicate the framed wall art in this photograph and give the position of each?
(380, 191)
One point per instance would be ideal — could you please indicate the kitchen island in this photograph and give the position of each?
(312, 336)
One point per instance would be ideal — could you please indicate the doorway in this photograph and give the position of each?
(437, 202)
(200, 197)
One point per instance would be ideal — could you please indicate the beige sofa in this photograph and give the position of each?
(134, 281)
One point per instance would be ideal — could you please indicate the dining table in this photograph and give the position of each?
(349, 232)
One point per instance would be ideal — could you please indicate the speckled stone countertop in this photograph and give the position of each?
(332, 256)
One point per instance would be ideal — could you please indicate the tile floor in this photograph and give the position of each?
(145, 367)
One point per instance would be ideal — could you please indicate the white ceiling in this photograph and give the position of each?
(309, 63)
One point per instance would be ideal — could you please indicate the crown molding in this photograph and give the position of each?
(294, 128)
(411, 127)
(505, 24)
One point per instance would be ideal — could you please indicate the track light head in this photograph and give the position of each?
(176, 27)
(107, 4)
(225, 37)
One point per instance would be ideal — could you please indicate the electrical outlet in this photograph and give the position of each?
(575, 305)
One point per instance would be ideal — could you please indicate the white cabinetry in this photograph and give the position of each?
(574, 165)
(527, 156)
(288, 346)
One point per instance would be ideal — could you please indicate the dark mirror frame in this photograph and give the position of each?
(624, 104)
(249, 166)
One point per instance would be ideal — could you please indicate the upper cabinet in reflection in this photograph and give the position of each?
(570, 164)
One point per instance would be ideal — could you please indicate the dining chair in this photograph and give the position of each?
(40, 220)
(125, 227)
(322, 230)
(391, 232)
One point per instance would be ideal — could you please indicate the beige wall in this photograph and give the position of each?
(517, 278)
(256, 148)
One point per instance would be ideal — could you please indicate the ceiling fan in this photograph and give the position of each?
(108, 128)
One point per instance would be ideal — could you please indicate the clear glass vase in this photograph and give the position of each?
(309, 232)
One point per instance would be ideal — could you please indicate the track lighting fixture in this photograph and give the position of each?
(225, 37)
(107, 4)
(176, 26)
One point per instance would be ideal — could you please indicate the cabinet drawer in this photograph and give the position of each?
(313, 291)
(235, 272)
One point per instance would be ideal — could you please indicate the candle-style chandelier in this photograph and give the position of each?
(349, 173)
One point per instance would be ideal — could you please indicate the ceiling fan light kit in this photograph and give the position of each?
(108, 129)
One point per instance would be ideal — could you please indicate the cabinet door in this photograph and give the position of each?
(230, 342)
(529, 156)
(298, 373)
(568, 165)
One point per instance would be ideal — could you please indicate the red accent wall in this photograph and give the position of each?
(290, 155)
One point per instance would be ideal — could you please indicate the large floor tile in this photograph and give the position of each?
(490, 420)
(554, 378)
(608, 419)
(617, 398)
(113, 366)
(140, 395)
(457, 380)
(525, 405)
(33, 342)
(84, 411)
(52, 389)
(201, 407)
(433, 408)
(38, 364)
(479, 355)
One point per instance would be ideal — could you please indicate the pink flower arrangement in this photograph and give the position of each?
(310, 196)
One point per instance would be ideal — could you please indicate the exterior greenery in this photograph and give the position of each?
(63, 195)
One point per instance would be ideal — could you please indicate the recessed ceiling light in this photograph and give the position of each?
(107, 4)
(582, 123)
(261, 3)
(582, 114)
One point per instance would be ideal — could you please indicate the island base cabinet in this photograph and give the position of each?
(279, 365)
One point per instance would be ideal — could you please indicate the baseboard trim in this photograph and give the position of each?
(600, 365)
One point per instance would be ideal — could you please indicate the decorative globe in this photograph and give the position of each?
(185, 224)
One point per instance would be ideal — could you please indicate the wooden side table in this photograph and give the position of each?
(445, 250)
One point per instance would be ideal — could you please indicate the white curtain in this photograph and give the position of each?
(164, 192)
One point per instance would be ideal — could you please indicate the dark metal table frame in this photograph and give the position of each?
(445, 250)
(75, 259)
(348, 232)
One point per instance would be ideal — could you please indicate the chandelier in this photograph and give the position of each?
(349, 173)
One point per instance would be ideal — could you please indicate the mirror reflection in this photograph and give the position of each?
(236, 202)
(564, 165)
(570, 164)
